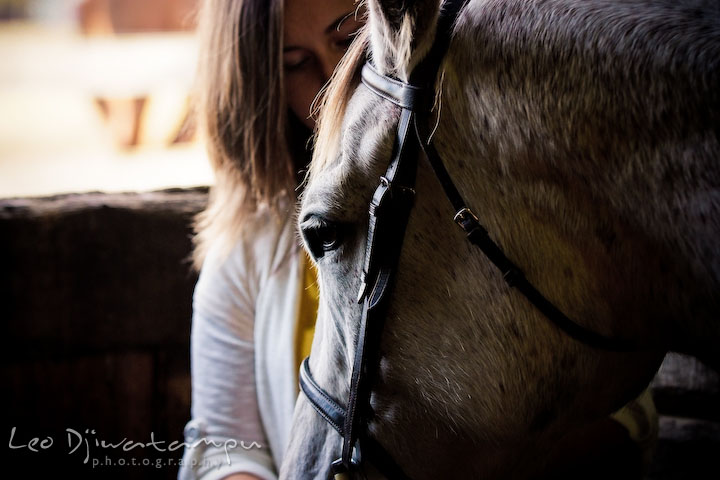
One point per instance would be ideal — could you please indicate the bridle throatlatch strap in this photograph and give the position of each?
(513, 276)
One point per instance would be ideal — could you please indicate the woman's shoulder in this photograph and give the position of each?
(265, 240)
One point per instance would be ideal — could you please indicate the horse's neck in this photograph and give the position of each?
(610, 214)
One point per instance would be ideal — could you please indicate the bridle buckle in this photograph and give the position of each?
(340, 471)
(466, 219)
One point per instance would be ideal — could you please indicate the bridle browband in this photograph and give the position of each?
(389, 213)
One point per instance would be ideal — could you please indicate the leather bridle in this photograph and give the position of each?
(389, 213)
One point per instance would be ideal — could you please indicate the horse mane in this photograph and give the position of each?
(330, 106)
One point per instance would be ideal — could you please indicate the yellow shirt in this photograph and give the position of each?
(307, 310)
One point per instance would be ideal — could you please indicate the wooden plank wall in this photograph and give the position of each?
(96, 305)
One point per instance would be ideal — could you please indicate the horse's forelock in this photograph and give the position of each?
(333, 102)
(401, 34)
(401, 41)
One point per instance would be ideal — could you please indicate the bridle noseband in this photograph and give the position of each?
(389, 214)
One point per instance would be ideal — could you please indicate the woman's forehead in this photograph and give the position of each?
(314, 18)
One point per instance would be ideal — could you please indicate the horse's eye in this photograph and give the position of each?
(321, 236)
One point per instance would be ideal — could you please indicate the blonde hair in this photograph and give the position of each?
(331, 107)
(243, 114)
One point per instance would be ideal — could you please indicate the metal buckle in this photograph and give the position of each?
(466, 219)
(338, 470)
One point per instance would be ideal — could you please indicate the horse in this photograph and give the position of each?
(585, 136)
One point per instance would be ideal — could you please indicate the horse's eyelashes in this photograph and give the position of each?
(321, 236)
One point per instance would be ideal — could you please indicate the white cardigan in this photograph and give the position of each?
(244, 383)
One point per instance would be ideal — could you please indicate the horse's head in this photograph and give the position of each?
(561, 135)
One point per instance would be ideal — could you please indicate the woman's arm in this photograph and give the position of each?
(226, 434)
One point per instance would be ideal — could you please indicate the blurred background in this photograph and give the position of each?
(95, 95)
(101, 173)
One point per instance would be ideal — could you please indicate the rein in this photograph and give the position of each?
(389, 214)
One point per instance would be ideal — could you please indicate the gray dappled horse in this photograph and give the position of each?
(584, 134)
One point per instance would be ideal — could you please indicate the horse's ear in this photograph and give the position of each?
(401, 32)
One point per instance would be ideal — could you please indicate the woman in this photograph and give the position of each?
(262, 64)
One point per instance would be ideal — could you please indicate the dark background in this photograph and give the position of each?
(96, 295)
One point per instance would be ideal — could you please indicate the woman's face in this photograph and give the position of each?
(317, 33)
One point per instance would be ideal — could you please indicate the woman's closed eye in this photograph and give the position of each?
(295, 59)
